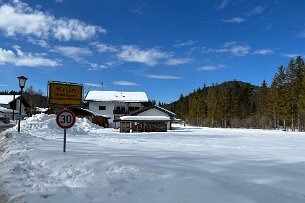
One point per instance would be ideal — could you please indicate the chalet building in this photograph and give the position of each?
(114, 104)
(10, 106)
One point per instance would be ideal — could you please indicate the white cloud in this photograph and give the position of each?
(19, 19)
(233, 48)
(222, 4)
(76, 53)
(164, 77)
(95, 66)
(211, 67)
(93, 84)
(133, 53)
(125, 83)
(139, 10)
(229, 44)
(240, 50)
(263, 51)
(104, 48)
(39, 42)
(237, 49)
(177, 61)
(185, 43)
(150, 57)
(290, 55)
(257, 10)
(233, 20)
(302, 34)
(25, 59)
(207, 68)
(2, 85)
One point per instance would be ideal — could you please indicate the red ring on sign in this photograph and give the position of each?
(72, 116)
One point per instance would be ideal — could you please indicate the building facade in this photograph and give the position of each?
(114, 104)
(10, 106)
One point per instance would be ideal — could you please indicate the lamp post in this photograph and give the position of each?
(22, 81)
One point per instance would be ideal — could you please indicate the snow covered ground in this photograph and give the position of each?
(187, 164)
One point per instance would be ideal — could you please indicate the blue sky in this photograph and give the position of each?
(165, 48)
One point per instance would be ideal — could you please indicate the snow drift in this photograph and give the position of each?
(187, 164)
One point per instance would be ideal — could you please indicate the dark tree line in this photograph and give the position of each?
(239, 104)
(35, 98)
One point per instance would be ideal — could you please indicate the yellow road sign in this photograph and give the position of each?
(66, 94)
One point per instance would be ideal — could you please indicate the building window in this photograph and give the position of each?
(131, 109)
(102, 108)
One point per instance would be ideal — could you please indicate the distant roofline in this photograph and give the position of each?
(10, 100)
(115, 100)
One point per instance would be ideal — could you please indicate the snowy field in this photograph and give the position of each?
(185, 165)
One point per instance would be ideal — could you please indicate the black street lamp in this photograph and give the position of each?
(22, 81)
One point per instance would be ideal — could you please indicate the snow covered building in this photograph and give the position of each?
(115, 104)
(10, 106)
(149, 119)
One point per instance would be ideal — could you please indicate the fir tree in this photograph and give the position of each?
(282, 99)
(224, 100)
(213, 105)
(262, 104)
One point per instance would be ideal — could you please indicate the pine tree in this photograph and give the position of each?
(300, 66)
(262, 99)
(282, 100)
(193, 109)
(182, 107)
(294, 80)
(246, 106)
(223, 99)
(301, 102)
(235, 104)
(273, 104)
(262, 104)
(213, 105)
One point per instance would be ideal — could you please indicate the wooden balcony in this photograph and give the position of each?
(116, 111)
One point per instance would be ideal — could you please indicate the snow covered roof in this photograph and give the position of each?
(94, 113)
(42, 110)
(6, 99)
(145, 118)
(6, 110)
(165, 110)
(171, 114)
(116, 96)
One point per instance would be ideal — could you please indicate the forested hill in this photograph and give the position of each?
(207, 104)
(241, 104)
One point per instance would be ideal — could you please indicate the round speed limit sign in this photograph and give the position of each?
(65, 118)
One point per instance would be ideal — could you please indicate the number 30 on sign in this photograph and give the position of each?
(65, 119)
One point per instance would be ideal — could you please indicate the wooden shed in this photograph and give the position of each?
(95, 118)
(129, 124)
(155, 112)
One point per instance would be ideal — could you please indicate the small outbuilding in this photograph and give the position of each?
(95, 118)
(149, 119)
(130, 124)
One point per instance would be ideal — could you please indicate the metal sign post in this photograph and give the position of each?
(65, 139)
(65, 94)
(65, 119)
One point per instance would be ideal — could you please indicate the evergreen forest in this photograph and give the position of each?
(236, 104)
